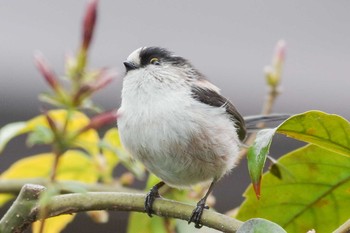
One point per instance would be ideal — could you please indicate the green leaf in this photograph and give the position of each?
(40, 135)
(258, 225)
(50, 99)
(142, 223)
(257, 156)
(10, 131)
(328, 131)
(313, 193)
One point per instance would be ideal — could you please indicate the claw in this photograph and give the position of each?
(197, 213)
(150, 198)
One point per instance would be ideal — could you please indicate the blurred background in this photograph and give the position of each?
(229, 41)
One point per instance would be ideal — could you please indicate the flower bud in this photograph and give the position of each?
(89, 23)
(280, 52)
(273, 73)
(51, 122)
(101, 120)
(105, 78)
(46, 71)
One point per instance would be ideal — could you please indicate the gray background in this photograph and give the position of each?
(229, 41)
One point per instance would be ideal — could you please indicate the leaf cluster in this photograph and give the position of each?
(307, 188)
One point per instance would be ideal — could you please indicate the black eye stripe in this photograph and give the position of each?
(162, 54)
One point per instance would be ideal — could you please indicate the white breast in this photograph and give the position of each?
(179, 139)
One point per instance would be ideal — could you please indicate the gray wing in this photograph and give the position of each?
(213, 98)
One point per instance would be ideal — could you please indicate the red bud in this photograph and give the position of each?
(257, 187)
(89, 23)
(46, 71)
(105, 78)
(51, 123)
(101, 120)
(280, 51)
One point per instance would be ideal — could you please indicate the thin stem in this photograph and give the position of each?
(266, 110)
(54, 167)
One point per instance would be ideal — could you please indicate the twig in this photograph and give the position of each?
(273, 78)
(116, 201)
(266, 110)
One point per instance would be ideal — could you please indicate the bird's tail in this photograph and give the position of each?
(252, 122)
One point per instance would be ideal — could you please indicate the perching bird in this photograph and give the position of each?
(177, 123)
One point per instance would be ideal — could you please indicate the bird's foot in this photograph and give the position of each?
(150, 198)
(197, 213)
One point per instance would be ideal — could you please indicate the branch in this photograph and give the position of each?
(14, 186)
(116, 201)
(20, 216)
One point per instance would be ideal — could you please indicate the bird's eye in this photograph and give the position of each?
(154, 61)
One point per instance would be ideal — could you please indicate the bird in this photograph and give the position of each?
(176, 122)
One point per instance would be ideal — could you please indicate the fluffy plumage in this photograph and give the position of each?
(175, 121)
(178, 124)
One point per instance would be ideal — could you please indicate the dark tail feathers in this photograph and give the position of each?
(252, 121)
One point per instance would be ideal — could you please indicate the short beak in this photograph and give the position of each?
(130, 66)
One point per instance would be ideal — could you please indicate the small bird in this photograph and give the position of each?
(177, 123)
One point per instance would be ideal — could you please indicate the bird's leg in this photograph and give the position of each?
(151, 196)
(198, 211)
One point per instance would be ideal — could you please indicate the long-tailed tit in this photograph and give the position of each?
(177, 123)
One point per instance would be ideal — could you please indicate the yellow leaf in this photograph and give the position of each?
(30, 167)
(73, 165)
(4, 198)
(73, 121)
(111, 138)
(89, 141)
(53, 225)
(77, 120)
